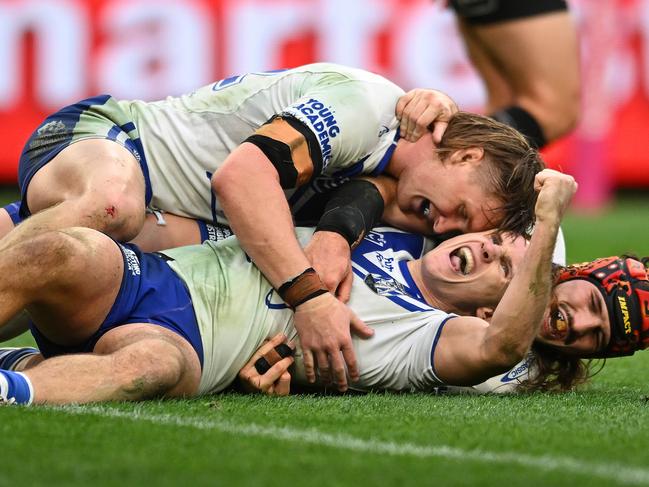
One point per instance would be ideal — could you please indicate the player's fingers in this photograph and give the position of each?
(283, 386)
(339, 374)
(358, 327)
(267, 347)
(350, 360)
(323, 367)
(402, 102)
(403, 125)
(309, 370)
(425, 115)
(438, 131)
(538, 181)
(276, 371)
(344, 290)
(409, 117)
(258, 385)
(416, 110)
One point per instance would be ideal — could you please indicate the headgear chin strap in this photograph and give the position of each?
(624, 283)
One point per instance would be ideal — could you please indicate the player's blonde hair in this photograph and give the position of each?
(511, 166)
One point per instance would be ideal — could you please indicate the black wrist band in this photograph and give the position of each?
(305, 286)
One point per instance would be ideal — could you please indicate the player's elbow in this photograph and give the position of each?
(230, 184)
(224, 179)
(502, 355)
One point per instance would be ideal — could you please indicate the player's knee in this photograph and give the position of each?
(149, 369)
(125, 214)
(118, 214)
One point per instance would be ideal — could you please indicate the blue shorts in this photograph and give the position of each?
(151, 292)
(100, 117)
(214, 232)
(13, 210)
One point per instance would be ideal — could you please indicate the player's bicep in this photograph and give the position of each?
(291, 148)
(458, 357)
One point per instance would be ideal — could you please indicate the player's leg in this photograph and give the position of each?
(499, 91)
(535, 61)
(70, 282)
(93, 183)
(131, 362)
(66, 279)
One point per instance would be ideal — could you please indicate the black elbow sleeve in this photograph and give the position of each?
(353, 210)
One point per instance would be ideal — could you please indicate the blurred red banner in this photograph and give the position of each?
(55, 52)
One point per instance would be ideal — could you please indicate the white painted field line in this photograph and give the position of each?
(616, 472)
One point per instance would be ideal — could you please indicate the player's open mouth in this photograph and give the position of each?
(556, 326)
(462, 260)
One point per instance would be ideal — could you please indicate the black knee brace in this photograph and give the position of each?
(524, 122)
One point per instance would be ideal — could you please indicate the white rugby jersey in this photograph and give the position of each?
(186, 139)
(237, 309)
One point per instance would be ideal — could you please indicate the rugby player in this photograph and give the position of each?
(185, 321)
(527, 54)
(259, 141)
(598, 309)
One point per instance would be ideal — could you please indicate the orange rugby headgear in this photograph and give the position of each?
(624, 283)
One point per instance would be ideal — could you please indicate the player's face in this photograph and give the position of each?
(473, 270)
(577, 320)
(449, 197)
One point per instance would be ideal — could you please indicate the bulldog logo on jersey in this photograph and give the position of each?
(384, 286)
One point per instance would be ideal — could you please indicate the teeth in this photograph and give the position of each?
(560, 325)
(467, 263)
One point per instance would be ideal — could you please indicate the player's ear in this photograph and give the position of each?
(485, 313)
(471, 155)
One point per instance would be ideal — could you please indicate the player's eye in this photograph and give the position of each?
(463, 213)
(496, 239)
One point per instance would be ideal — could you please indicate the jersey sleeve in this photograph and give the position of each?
(425, 377)
(507, 383)
(353, 122)
(422, 375)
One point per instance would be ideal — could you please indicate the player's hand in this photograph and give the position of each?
(330, 256)
(556, 190)
(323, 324)
(277, 380)
(420, 110)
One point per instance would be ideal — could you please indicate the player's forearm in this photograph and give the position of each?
(517, 318)
(250, 194)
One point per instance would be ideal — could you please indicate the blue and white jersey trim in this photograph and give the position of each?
(381, 261)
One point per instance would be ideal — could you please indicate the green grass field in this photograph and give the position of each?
(596, 436)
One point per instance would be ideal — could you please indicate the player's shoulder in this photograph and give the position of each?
(341, 72)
